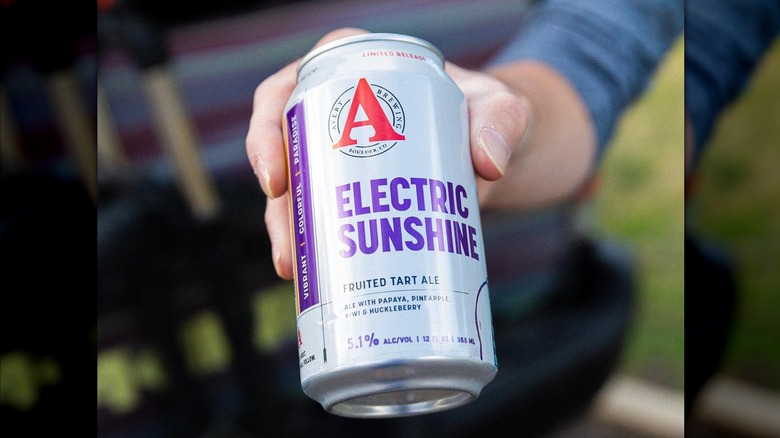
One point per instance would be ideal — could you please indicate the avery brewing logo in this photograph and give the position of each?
(366, 120)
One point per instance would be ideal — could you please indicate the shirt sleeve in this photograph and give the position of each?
(724, 41)
(608, 49)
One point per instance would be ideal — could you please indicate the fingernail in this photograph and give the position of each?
(262, 172)
(495, 147)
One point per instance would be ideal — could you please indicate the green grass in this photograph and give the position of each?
(641, 202)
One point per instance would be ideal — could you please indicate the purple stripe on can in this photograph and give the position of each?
(300, 190)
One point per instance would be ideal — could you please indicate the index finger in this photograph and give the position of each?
(264, 139)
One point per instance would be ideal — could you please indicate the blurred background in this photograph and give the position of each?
(47, 216)
(195, 335)
(732, 208)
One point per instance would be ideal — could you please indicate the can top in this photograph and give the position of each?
(368, 37)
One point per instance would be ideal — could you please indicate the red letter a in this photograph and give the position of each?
(375, 117)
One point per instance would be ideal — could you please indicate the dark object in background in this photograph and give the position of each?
(45, 32)
(47, 226)
(710, 307)
(552, 359)
(47, 232)
(176, 333)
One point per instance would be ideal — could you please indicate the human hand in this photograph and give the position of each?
(500, 118)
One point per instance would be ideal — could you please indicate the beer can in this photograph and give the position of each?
(393, 313)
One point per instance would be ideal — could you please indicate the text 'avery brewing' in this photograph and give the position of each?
(391, 286)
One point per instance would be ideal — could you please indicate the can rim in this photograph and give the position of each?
(368, 37)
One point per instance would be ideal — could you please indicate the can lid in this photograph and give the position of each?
(368, 37)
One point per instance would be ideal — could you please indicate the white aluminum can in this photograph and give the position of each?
(391, 288)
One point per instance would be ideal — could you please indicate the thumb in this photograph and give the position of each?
(499, 120)
(499, 125)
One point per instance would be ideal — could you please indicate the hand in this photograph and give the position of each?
(504, 151)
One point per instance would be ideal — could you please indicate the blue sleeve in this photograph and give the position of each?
(608, 49)
(724, 41)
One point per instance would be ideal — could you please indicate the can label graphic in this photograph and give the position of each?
(392, 297)
(300, 193)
